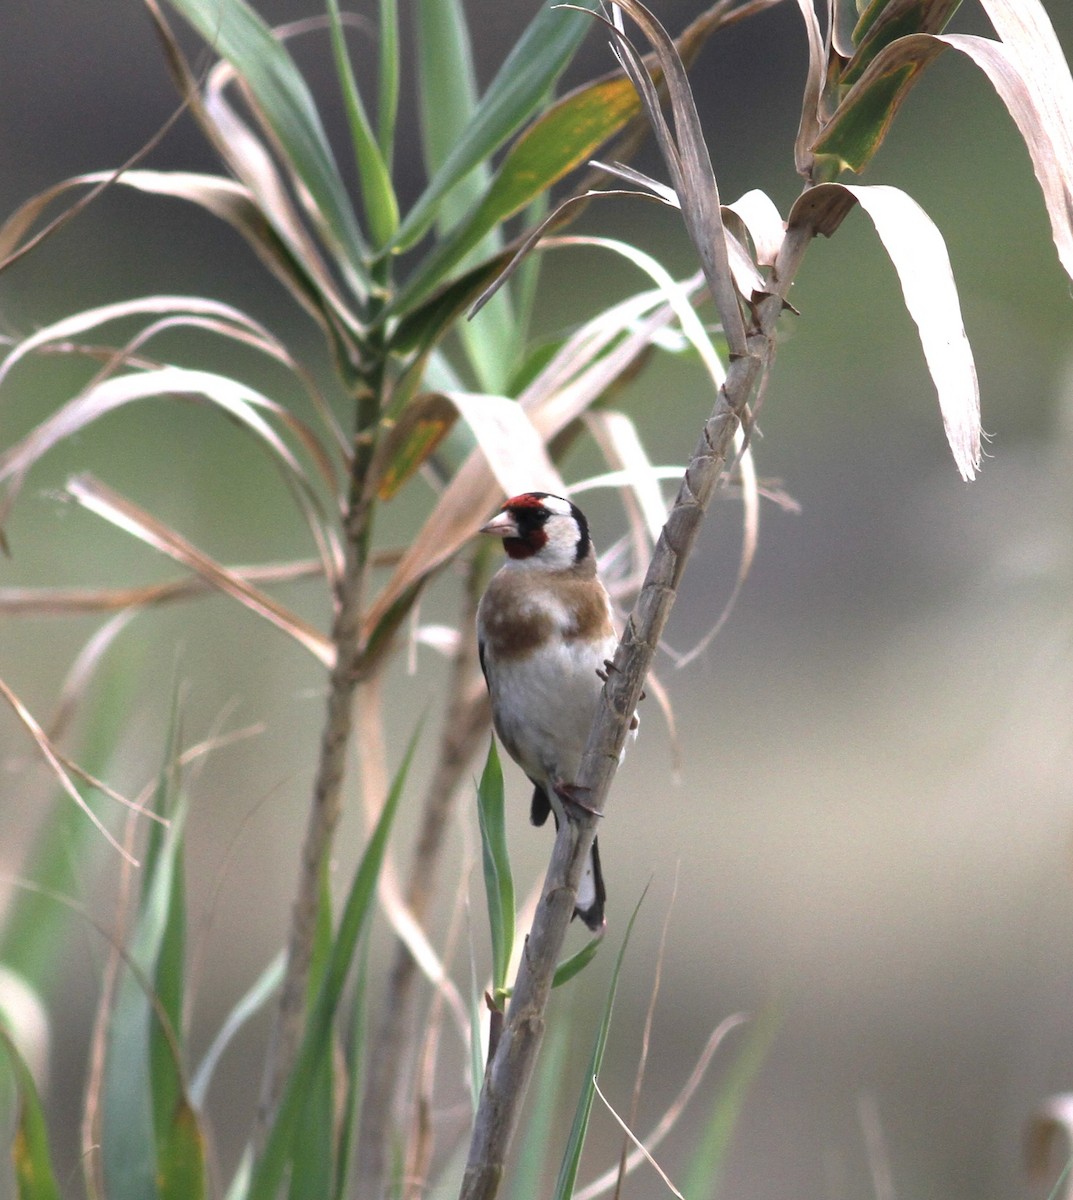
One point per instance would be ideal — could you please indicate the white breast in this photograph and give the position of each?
(544, 705)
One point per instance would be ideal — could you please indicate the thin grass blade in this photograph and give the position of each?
(147, 1123)
(568, 1169)
(267, 1173)
(355, 1080)
(498, 880)
(59, 769)
(703, 1177)
(605, 1182)
(254, 1001)
(35, 939)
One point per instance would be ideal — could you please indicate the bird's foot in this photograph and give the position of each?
(574, 800)
(608, 667)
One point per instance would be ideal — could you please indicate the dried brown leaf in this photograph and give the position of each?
(811, 113)
(687, 159)
(97, 498)
(52, 602)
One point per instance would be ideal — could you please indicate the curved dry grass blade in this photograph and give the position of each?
(602, 1185)
(747, 279)
(677, 295)
(616, 436)
(82, 669)
(645, 1153)
(1051, 1126)
(761, 218)
(276, 226)
(97, 498)
(233, 397)
(687, 160)
(55, 763)
(1030, 61)
(918, 252)
(254, 165)
(646, 1041)
(62, 602)
(278, 95)
(1027, 71)
(375, 789)
(654, 687)
(750, 536)
(811, 112)
(26, 215)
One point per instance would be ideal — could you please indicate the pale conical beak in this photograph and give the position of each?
(502, 525)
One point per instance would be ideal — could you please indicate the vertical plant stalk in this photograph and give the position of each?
(389, 1070)
(326, 803)
(509, 1072)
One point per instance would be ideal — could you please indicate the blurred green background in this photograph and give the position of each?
(874, 822)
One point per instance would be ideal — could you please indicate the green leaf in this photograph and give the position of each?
(448, 102)
(422, 327)
(884, 21)
(255, 999)
(30, 1153)
(522, 83)
(409, 441)
(576, 963)
(564, 1187)
(149, 1127)
(448, 99)
(181, 1156)
(282, 98)
(498, 881)
(381, 207)
(708, 1160)
(355, 1079)
(313, 1159)
(559, 141)
(268, 1171)
(863, 120)
(389, 78)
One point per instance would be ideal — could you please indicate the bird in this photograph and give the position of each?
(546, 636)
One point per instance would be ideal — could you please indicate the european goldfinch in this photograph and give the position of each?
(545, 633)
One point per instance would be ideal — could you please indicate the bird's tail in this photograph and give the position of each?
(591, 893)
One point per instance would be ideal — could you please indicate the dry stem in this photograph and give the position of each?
(509, 1073)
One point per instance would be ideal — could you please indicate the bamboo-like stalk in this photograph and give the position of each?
(326, 802)
(509, 1072)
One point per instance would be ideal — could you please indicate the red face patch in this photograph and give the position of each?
(526, 500)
